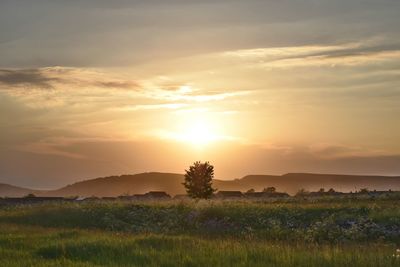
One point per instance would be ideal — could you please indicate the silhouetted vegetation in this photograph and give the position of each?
(269, 189)
(114, 186)
(310, 231)
(302, 192)
(198, 180)
(364, 191)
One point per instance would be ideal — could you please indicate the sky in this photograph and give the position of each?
(91, 88)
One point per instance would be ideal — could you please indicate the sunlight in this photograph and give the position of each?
(196, 131)
(199, 134)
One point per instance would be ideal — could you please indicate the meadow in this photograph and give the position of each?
(325, 232)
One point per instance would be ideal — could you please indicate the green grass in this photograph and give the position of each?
(205, 233)
(37, 246)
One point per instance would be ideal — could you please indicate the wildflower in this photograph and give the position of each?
(397, 254)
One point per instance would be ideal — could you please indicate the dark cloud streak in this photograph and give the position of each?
(48, 77)
(32, 77)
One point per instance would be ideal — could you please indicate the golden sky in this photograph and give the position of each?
(94, 88)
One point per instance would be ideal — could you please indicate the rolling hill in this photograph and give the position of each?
(124, 184)
(7, 190)
(292, 182)
(172, 184)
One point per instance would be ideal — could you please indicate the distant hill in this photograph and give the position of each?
(292, 182)
(124, 184)
(172, 184)
(15, 191)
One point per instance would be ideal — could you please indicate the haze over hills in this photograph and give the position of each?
(292, 182)
(172, 184)
(124, 184)
(15, 191)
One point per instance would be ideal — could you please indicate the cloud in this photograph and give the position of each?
(26, 77)
(59, 146)
(332, 151)
(82, 90)
(118, 84)
(189, 27)
(61, 77)
(152, 107)
(187, 93)
(48, 149)
(298, 56)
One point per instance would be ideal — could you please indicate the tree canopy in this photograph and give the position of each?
(198, 180)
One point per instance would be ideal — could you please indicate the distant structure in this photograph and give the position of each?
(250, 194)
(109, 198)
(266, 194)
(32, 200)
(376, 193)
(126, 197)
(322, 192)
(229, 194)
(92, 198)
(158, 195)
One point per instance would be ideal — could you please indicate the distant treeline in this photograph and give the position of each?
(267, 193)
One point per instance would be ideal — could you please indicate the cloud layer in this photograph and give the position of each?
(127, 33)
(91, 88)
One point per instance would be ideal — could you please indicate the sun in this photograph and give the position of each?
(199, 134)
(196, 128)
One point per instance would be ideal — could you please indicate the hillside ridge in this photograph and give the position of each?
(172, 183)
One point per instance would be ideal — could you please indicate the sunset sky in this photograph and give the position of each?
(91, 88)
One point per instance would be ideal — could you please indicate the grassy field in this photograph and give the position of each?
(206, 233)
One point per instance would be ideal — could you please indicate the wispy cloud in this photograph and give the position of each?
(152, 107)
(346, 54)
(325, 150)
(63, 146)
(76, 81)
(191, 94)
(61, 77)
(26, 77)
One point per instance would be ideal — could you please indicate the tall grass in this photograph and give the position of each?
(315, 222)
(37, 246)
(202, 233)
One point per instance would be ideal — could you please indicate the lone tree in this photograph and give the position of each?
(198, 180)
